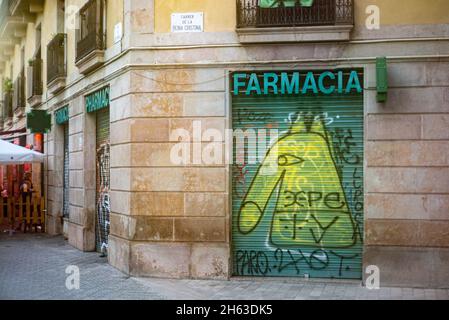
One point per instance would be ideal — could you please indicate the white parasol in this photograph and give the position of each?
(14, 154)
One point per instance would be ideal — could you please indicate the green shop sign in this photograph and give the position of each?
(38, 121)
(97, 100)
(298, 83)
(62, 115)
(382, 79)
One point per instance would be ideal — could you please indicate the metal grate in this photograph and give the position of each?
(91, 35)
(19, 91)
(303, 217)
(56, 64)
(12, 4)
(34, 78)
(7, 105)
(103, 207)
(322, 12)
(4, 12)
(66, 169)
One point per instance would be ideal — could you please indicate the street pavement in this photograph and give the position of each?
(34, 266)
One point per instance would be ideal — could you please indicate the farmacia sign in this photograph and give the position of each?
(298, 83)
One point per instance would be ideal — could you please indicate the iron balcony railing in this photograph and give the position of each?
(91, 33)
(12, 4)
(283, 14)
(34, 78)
(2, 113)
(7, 105)
(19, 91)
(4, 12)
(56, 64)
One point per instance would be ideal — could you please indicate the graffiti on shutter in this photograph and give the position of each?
(305, 218)
(103, 206)
(66, 168)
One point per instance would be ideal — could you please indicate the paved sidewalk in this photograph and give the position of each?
(33, 267)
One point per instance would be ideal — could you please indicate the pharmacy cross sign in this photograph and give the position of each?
(38, 121)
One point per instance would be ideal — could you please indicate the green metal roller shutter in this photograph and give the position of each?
(305, 217)
(102, 179)
(66, 168)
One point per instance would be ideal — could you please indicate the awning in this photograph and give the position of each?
(9, 132)
(14, 154)
(287, 3)
(10, 135)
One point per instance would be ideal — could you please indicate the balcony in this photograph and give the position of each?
(56, 63)
(289, 21)
(34, 85)
(14, 17)
(6, 110)
(91, 37)
(18, 6)
(7, 107)
(18, 101)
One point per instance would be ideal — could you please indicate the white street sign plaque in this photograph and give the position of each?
(187, 22)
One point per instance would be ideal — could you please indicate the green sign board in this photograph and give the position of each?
(97, 100)
(62, 115)
(38, 121)
(381, 79)
(297, 83)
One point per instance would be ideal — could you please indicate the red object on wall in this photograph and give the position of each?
(2, 184)
(38, 142)
(27, 167)
(15, 174)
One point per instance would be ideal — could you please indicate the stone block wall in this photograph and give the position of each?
(167, 220)
(171, 220)
(407, 176)
(54, 178)
(81, 226)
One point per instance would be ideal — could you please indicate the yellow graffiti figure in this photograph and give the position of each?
(310, 208)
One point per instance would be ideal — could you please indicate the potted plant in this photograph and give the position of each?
(7, 85)
(30, 62)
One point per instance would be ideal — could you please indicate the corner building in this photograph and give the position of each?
(361, 173)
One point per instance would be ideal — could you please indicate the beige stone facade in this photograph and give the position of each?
(175, 221)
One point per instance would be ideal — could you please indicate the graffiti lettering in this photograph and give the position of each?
(252, 262)
(357, 201)
(239, 179)
(333, 200)
(248, 115)
(343, 146)
(103, 205)
(306, 216)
